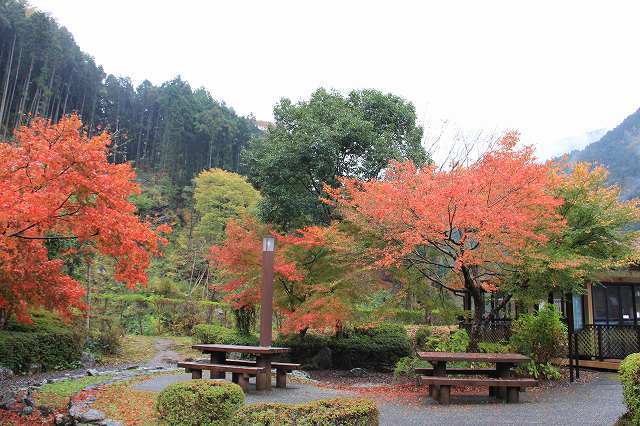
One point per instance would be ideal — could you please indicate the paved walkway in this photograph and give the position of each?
(598, 402)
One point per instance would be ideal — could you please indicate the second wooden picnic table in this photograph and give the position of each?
(262, 354)
(501, 381)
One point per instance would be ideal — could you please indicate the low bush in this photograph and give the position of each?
(458, 341)
(46, 344)
(421, 336)
(303, 348)
(541, 336)
(377, 348)
(630, 378)
(330, 412)
(406, 367)
(199, 402)
(491, 347)
(213, 333)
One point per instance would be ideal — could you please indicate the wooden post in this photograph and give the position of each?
(266, 303)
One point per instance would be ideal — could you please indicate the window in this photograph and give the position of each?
(616, 304)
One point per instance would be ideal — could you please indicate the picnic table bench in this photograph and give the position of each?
(500, 379)
(241, 370)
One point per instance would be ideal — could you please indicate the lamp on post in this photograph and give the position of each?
(266, 305)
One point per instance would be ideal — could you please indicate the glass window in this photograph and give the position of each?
(613, 304)
(636, 291)
(599, 304)
(626, 304)
(578, 318)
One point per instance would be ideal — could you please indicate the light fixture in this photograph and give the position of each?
(268, 243)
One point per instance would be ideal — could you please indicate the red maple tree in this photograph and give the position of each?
(56, 184)
(461, 228)
(316, 275)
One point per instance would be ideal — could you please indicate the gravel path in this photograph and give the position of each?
(598, 402)
(165, 357)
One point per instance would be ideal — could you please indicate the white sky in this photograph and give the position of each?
(551, 69)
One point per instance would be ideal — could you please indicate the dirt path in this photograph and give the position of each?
(165, 357)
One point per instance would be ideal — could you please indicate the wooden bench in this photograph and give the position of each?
(240, 374)
(513, 385)
(282, 368)
(428, 371)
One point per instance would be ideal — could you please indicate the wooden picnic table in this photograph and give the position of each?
(263, 355)
(501, 381)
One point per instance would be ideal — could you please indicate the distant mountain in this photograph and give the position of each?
(574, 143)
(619, 151)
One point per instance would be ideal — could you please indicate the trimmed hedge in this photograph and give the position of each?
(630, 378)
(376, 348)
(199, 402)
(213, 333)
(46, 344)
(329, 412)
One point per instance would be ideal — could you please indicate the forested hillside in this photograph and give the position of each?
(619, 152)
(169, 128)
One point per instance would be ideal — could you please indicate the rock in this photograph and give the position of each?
(64, 420)
(87, 360)
(45, 410)
(89, 416)
(132, 367)
(7, 399)
(35, 368)
(27, 411)
(110, 422)
(322, 360)
(6, 372)
(29, 402)
(358, 372)
(301, 374)
(92, 372)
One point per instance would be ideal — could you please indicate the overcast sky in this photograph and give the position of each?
(552, 69)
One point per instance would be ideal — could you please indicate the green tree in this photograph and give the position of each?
(600, 235)
(219, 196)
(329, 136)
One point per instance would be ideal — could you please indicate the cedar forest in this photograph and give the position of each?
(140, 210)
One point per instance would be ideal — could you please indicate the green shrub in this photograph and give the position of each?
(265, 414)
(303, 348)
(378, 347)
(106, 340)
(46, 344)
(630, 378)
(457, 341)
(330, 412)
(541, 336)
(422, 334)
(213, 333)
(491, 347)
(406, 367)
(199, 402)
(540, 371)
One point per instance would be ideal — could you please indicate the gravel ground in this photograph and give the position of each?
(598, 402)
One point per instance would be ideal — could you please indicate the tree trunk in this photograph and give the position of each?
(6, 81)
(478, 308)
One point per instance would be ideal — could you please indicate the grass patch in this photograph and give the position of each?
(140, 349)
(56, 395)
(135, 349)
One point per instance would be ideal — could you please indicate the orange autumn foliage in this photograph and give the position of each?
(469, 221)
(56, 184)
(315, 273)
